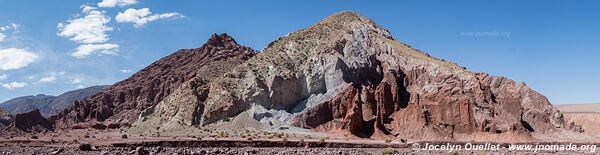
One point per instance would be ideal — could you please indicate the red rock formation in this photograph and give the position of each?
(348, 75)
(30, 122)
(395, 91)
(344, 114)
(122, 102)
(388, 109)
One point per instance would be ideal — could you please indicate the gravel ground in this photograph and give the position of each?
(201, 151)
(113, 142)
(236, 151)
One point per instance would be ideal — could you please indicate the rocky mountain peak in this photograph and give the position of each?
(221, 40)
(346, 16)
(332, 32)
(122, 102)
(348, 22)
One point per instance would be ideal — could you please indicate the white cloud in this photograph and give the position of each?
(86, 50)
(91, 28)
(31, 77)
(113, 3)
(51, 77)
(48, 79)
(14, 85)
(140, 17)
(125, 71)
(14, 58)
(76, 81)
(2, 36)
(12, 26)
(3, 77)
(90, 32)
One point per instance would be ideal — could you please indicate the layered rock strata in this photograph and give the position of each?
(349, 76)
(123, 102)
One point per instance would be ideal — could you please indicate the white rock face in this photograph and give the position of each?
(297, 68)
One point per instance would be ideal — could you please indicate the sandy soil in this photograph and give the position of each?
(88, 141)
(586, 115)
(589, 121)
(579, 108)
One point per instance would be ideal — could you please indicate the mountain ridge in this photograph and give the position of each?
(48, 104)
(125, 100)
(347, 75)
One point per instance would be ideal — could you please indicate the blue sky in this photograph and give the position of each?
(553, 46)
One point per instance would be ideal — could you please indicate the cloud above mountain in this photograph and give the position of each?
(114, 3)
(51, 77)
(16, 58)
(90, 28)
(140, 17)
(90, 31)
(86, 50)
(14, 85)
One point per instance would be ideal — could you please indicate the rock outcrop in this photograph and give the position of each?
(348, 75)
(179, 108)
(47, 104)
(65, 100)
(122, 102)
(5, 118)
(29, 122)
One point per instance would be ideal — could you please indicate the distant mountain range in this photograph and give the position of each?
(47, 104)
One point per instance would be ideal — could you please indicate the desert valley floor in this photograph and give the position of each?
(218, 140)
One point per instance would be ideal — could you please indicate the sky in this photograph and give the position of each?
(51, 46)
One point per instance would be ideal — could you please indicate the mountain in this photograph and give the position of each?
(63, 101)
(347, 75)
(26, 103)
(48, 105)
(122, 102)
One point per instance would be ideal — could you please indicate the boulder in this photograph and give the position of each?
(31, 122)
